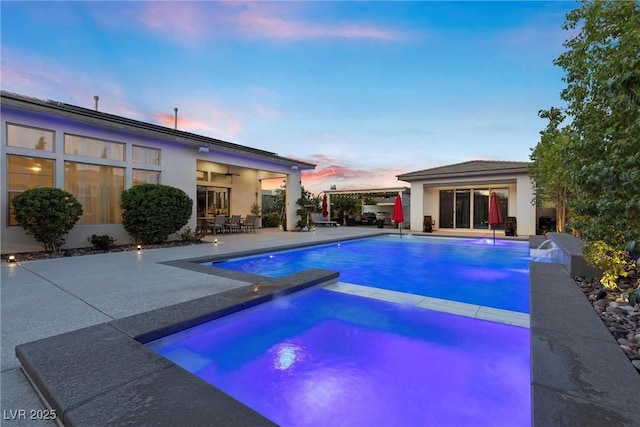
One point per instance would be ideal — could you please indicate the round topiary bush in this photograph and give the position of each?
(48, 214)
(151, 212)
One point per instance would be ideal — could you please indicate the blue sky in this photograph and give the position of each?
(365, 90)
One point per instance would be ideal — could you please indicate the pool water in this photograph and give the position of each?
(322, 358)
(473, 271)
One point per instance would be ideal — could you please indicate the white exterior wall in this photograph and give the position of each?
(177, 169)
(520, 197)
(526, 206)
(294, 190)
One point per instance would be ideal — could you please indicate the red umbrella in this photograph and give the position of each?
(398, 215)
(325, 212)
(495, 217)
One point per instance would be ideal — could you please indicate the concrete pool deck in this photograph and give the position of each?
(41, 299)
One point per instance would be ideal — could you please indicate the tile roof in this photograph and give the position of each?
(470, 169)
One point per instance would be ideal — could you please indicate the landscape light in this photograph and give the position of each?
(139, 247)
(11, 258)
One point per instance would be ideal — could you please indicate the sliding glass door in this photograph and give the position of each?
(446, 208)
(459, 206)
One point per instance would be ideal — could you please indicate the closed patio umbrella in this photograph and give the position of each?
(325, 212)
(495, 217)
(398, 215)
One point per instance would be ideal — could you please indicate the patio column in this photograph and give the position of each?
(294, 192)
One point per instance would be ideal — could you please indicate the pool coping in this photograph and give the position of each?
(104, 374)
(579, 374)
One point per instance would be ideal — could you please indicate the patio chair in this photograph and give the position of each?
(234, 223)
(219, 224)
(249, 224)
(511, 226)
(427, 224)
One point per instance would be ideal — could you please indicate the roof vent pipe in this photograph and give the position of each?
(175, 110)
(96, 98)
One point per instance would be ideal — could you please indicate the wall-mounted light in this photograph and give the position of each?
(11, 258)
(203, 149)
(294, 167)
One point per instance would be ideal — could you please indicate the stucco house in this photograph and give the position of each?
(456, 196)
(96, 155)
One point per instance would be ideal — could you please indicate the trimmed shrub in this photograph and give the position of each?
(103, 242)
(272, 219)
(48, 214)
(151, 212)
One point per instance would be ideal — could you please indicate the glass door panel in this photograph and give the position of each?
(463, 208)
(481, 209)
(446, 209)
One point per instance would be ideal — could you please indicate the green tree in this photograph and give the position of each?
(602, 157)
(151, 212)
(306, 205)
(48, 214)
(547, 169)
(345, 204)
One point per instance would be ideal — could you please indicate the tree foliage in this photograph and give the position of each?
(151, 212)
(48, 214)
(602, 156)
(547, 169)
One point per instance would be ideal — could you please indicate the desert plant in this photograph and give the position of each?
(611, 261)
(255, 209)
(48, 214)
(151, 212)
(189, 236)
(102, 243)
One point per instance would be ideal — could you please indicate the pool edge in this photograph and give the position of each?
(579, 374)
(104, 374)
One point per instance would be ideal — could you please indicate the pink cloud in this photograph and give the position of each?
(188, 21)
(177, 19)
(261, 25)
(217, 124)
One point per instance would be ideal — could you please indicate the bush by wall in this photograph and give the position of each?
(102, 243)
(48, 214)
(151, 212)
(271, 219)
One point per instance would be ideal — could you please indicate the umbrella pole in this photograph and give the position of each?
(494, 236)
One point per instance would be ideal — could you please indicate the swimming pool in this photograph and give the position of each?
(473, 271)
(318, 358)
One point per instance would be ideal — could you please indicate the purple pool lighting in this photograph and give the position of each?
(323, 358)
(472, 271)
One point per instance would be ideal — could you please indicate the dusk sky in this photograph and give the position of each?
(365, 90)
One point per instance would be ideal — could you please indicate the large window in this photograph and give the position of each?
(98, 188)
(146, 155)
(91, 147)
(24, 173)
(145, 177)
(28, 137)
(212, 201)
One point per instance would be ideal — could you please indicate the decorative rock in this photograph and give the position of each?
(621, 319)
